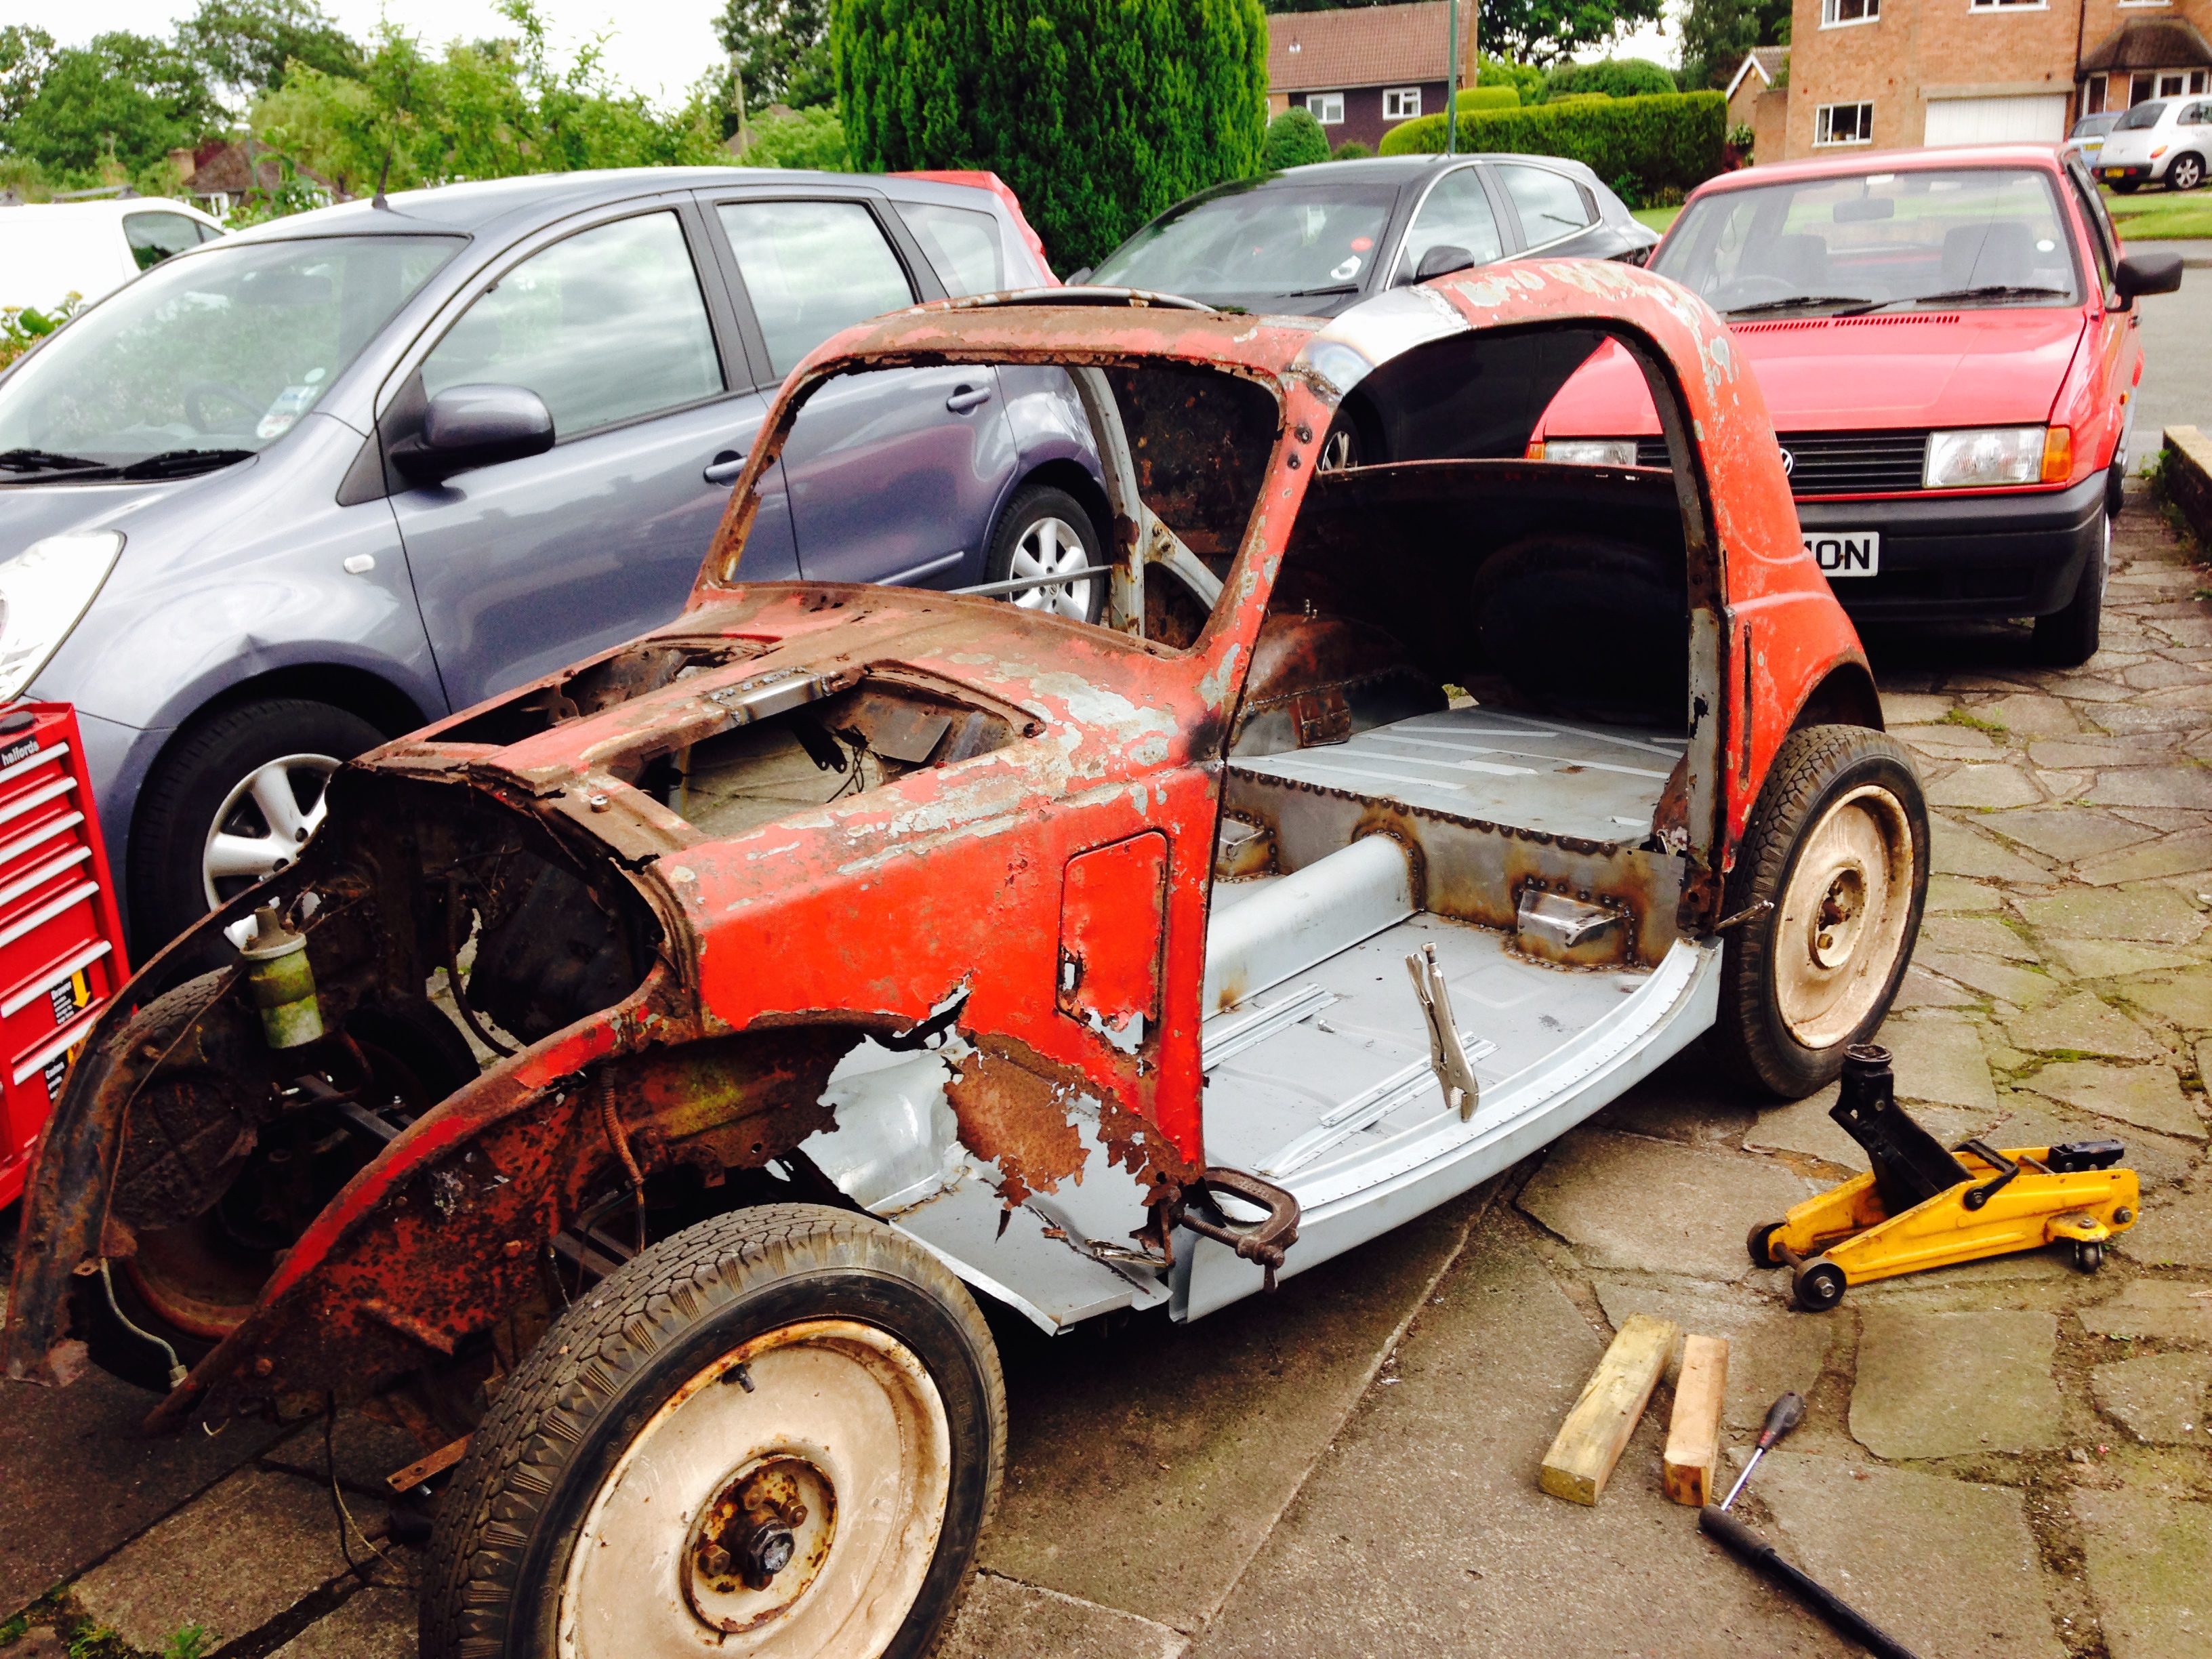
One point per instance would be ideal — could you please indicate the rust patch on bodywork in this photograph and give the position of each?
(1016, 1109)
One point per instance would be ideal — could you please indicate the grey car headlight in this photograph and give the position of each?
(1984, 455)
(1590, 451)
(44, 591)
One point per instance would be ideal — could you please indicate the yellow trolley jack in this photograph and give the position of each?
(1922, 1207)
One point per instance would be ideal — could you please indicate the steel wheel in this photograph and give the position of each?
(796, 1518)
(1845, 916)
(268, 815)
(1048, 546)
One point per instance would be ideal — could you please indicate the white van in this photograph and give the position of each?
(51, 250)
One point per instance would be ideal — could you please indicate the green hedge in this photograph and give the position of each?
(1616, 77)
(1489, 98)
(1637, 145)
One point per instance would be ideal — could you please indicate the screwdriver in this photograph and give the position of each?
(1783, 1415)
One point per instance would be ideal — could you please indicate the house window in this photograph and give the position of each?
(2169, 86)
(2196, 82)
(2093, 96)
(2011, 5)
(2142, 87)
(1401, 103)
(1833, 12)
(1844, 124)
(1327, 107)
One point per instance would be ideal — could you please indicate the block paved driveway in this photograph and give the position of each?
(2008, 1459)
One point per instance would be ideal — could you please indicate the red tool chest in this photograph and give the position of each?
(60, 937)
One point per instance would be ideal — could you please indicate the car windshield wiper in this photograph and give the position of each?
(1315, 292)
(1991, 291)
(183, 463)
(1800, 300)
(41, 460)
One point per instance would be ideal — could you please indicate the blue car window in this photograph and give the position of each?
(961, 243)
(605, 326)
(810, 268)
(1457, 214)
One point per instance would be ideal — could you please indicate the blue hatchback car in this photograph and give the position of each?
(311, 486)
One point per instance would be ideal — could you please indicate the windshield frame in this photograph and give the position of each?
(1398, 215)
(341, 393)
(1718, 202)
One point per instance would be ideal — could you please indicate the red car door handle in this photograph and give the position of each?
(966, 398)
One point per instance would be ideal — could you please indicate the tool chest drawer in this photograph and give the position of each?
(60, 937)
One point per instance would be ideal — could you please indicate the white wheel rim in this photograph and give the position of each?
(1842, 919)
(843, 1419)
(1047, 548)
(261, 826)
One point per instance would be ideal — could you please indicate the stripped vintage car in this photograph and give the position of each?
(643, 1074)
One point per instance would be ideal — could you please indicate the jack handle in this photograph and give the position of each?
(1977, 1196)
(1754, 1552)
(1264, 1242)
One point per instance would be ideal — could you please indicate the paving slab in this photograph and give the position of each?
(2160, 1308)
(1804, 1126)
(1956, 893)
(2066, 832)
(1938, 1059)
(1177, 1445)
(1983, 935)
(2104, 959)
(1950, 1384)
(377, 1623)
(2151, 785)
(79, 1479)
(1879, 1538)
(2146, 749)
(2160, 1398)
(2023, 987)
(1921, 988)
(2148, 1096)
(2146, 1555)
(1623, 1202)
(1771, 1349)
(2082, 1024)
(1987, 786)
(1955, 850)
(1951, 742)
(1424, 1531)
(2180, 854)
(254, 1547)
(1003, 1617)
(2156, 915)
(2159, 1160)
(1913, 708)
(2174, 1231)
(2030, 714)
(2183, 996)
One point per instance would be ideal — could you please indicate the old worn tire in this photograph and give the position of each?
(1796, 990)
(816, 1303)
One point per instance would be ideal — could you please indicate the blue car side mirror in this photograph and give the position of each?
(472, 426)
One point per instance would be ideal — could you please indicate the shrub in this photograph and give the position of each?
(1580, 98)
(1671, 140)
(1098, 116)
(1350, 151)
(1526, 79)
(1740, 137)
(21, 328)
(781, 137)
(1294, 140)
(1616, 77)
(1489, 98)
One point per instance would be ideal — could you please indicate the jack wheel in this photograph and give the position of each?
(1760, 1239)
(2089, 1255)
(1817, 1286)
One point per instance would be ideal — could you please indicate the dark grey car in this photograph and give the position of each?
(1314, 241)
(312, 485)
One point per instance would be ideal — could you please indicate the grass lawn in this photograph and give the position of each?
(1660, 218)
(2157, 215)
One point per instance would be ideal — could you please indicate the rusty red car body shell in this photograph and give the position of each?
(874, 910)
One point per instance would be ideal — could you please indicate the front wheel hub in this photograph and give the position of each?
(757, 1546)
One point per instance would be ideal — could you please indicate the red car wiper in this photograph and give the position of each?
(1989, 291)
(1799, 300)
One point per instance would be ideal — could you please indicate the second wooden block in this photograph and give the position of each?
(1693, 1435)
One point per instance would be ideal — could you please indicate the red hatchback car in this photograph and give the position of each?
(1947, 342)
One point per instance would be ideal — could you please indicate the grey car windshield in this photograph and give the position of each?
(207, 359)
(1296, 237)
(2142, 116)
(1968, 236)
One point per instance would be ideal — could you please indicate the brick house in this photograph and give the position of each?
(1899, 74)
(219, 175)
(1363, 71)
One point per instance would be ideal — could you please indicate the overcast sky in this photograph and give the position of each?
(658, 47)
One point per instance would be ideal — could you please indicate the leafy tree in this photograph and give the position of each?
(1716, 33)
(1099, 113)
(1294, 140)
(1616, 77)
(123, 101)
(26, 57)
(245, 47)
(1545, 31)
(812, 138)
(1527, 79)
(782, 49)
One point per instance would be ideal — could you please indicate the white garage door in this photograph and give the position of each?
(2038, 119)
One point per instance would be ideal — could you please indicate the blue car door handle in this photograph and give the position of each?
(966, 398)
(725, 467)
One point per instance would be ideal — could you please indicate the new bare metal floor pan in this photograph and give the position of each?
(1555, 777)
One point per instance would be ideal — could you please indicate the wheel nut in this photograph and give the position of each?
(714, 1561)
(766, 1551)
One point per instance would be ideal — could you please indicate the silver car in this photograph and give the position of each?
(2166, 140)
(308, 487)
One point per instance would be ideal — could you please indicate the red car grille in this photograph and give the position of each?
(1836, 463)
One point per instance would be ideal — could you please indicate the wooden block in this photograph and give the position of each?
(1590, 1441)
(1693, 1436)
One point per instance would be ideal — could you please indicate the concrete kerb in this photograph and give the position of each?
(2187, 478)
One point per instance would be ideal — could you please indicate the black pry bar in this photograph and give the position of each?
(1757, 1554)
